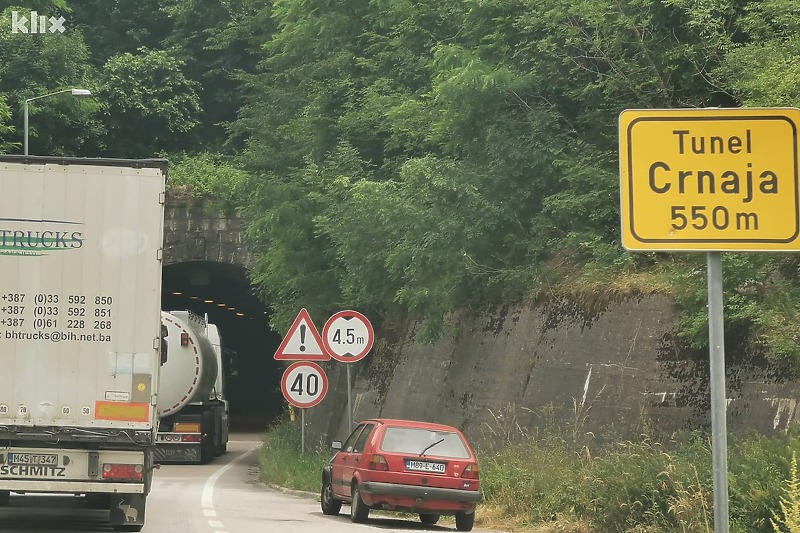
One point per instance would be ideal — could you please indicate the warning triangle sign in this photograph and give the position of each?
(302, 342)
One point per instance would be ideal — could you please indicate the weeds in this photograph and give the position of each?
(789, 519)
(281, 462)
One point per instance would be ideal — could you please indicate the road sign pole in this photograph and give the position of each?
(348, 337)
(302, 431)
(349, 400)
(719, 431)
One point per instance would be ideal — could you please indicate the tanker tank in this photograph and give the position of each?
(193, 425)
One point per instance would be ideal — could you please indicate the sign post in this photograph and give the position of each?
(304, 384)
(711, 180)
(348, 336)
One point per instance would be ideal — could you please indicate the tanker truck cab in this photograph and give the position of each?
(192, 410)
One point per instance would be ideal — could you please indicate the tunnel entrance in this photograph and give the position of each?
(223, 293)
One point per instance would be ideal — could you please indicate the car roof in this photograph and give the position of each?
(397, 422)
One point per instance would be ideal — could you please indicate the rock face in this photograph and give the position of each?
(503, 373)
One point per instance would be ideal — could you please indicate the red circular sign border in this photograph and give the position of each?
(288, 396)
(370, 331)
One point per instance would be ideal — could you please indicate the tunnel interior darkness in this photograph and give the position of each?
(223, 293)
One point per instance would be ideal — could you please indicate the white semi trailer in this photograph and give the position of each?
(193, 412)
(80, 313)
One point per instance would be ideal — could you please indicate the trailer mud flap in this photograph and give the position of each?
(127, 509)
(178, 453)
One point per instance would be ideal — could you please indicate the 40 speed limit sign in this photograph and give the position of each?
(304, 384)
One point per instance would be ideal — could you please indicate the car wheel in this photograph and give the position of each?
(464, 521)
(329, 504)
(428, 519)
(359, 511)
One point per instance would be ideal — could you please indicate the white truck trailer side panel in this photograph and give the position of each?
(80, 294)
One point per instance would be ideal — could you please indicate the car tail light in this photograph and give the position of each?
(471, 472)
(123, 472)
(378, 462)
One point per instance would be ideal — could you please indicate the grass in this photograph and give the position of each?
(282, 463)
(550, 484)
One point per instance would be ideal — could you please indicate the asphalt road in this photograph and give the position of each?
(221, 497)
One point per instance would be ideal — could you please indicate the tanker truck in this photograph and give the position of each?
(80, 312)
(192, 410)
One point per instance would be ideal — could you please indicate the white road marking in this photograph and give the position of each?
(208, 491)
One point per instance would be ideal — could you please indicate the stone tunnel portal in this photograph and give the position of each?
(223, 292)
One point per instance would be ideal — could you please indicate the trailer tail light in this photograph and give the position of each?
(471, 472)
(123, 472)
(186, 427)
(184, 339)
(193, 437)
(378, 462)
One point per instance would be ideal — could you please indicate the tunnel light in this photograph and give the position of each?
(194, 297)
(239, 314)
(177, 293)
(208, 301)
(231, 309)
(220, 305)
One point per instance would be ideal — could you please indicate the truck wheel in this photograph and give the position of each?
(5, 496)
(206, 451)
(221, 449)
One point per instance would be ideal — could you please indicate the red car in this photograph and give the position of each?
(402, 465)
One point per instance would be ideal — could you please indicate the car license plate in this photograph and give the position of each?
(49, 459)
(425, 466)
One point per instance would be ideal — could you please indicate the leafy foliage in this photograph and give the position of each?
(147, 100)
(209, 176)
(33, 65)
(419, 156)
(789, 519)
(5, 128)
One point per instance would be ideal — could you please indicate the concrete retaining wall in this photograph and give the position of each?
(506, 372)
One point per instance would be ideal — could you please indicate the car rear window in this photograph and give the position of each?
(417, 441)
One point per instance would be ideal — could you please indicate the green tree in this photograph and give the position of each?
(149, 106)
(6, 129)
(37, 64)
(114, 27)
(216, 40)
(210, 176)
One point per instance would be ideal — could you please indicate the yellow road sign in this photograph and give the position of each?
(710, 179)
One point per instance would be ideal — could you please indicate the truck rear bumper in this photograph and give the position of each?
(178, 453)
(69, 487)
